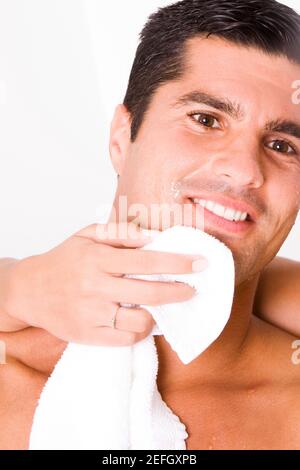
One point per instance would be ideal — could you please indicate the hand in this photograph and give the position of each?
(73, 290)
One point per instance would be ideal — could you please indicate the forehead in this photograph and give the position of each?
(240, 73)
(228, 58)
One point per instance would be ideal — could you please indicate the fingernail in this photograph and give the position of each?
(199, 265)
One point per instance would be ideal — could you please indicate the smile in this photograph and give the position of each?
(222, 211)
(216, 216)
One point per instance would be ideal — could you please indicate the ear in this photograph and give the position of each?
(119, 137)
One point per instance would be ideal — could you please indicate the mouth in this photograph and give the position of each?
(233, 218)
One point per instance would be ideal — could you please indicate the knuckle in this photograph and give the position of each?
(105, 290)
(83, 262)
(91, 253)
(85, 285)
(98, 258)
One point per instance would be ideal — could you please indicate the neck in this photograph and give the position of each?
(222, 356)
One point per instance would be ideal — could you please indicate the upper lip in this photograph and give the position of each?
(234, 204)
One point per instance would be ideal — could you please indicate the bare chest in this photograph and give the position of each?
(222, 420)
(237, 422)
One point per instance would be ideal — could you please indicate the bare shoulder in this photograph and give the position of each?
(277, 359)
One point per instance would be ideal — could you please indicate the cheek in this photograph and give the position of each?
(148, 173)
(197, 147)
(282, 202)
(164, 154)
(172, 147)
(285, 191)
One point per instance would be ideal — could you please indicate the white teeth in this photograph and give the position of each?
(202, 202)
(229, 214)
(222, 211)
(210, 206)
(219, 210)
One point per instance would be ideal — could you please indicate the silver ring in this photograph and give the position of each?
(114, 318)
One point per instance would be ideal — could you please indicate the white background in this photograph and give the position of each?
(64, 66)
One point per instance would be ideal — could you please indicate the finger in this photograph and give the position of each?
(116, 234)
(137, 291)
(106, 336)
(134, 319)
(137, 261)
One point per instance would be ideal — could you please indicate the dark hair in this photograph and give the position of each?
(266, 25)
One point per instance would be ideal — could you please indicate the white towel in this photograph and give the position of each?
(106, 397)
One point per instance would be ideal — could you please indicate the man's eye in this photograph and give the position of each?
(206, 120)
(283, 147)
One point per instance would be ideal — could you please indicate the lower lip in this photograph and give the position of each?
(209, 218)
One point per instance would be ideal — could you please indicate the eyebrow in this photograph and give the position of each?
(235, 111)
(222, 104)
(285, 127)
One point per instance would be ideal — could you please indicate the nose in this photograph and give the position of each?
(240, 165)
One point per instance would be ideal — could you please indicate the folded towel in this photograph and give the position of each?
(107, 397)
(190, 327)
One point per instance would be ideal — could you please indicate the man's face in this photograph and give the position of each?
(213, 153)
